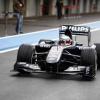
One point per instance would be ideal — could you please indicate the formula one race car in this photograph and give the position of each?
(60, 56)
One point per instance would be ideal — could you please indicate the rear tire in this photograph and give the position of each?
(88, 59)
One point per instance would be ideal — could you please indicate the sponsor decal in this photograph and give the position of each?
(75, 28)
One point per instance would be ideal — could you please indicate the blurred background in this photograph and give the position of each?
(43, 9)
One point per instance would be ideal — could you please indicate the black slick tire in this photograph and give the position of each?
(88, 59)
(25, 53)
(98, 54)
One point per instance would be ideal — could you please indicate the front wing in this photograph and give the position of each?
(33, 68)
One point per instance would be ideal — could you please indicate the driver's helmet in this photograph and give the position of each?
(65, 40)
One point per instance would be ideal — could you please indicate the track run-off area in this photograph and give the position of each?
(9, 43)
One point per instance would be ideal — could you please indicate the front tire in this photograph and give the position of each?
(98, 54)
(25, 55)
(88, 59)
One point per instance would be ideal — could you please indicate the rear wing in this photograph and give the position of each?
(76, 30)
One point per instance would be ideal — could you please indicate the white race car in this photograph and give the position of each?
(58, 56)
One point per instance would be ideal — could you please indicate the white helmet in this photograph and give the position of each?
(65, 37)
(66, 40)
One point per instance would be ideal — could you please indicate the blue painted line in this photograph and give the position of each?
(10, 42)
(31, 38)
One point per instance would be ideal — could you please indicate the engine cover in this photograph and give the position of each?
(54, 54)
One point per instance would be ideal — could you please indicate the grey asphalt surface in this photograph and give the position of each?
(44, 86)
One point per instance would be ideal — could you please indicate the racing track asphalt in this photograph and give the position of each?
(43, 86)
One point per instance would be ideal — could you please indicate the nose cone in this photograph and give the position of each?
(54, 54)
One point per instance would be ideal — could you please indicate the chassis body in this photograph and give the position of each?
(51, 57)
